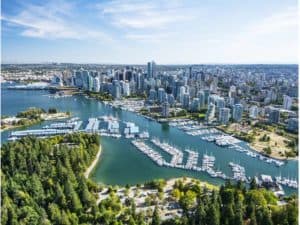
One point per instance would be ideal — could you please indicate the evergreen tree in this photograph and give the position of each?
(253, 219)
(155, 217)
(266, 218)
(212, 215)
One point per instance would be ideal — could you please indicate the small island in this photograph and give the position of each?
(30, 117)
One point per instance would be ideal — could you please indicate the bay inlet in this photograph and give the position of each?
(121, 163)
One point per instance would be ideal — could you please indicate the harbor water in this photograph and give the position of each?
(121, 163)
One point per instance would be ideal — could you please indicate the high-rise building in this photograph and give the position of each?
(171, 99)
(293, 124)
(152, 95)
(237, 112)
(274, 115)
(125, 88)
(90, 82)
(220, 102)
(287, 102)
(210, 114)
(213, 99)
(253, 112)
(165, 108)
(151, 69)
(181, 94)
(78, 79)
(232, 91)
(140, 82)
(224, 114)
(201, 97)
(195, 105)
(96, 84)
(116, 89)
(186, 101)
(161, 95)
(206, 94)
(85, 80)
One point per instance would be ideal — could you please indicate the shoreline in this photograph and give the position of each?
(252, 148)
(44, 117)
(271, 156)
(93, 164)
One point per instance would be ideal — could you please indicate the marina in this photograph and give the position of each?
(131, 130)
(116, 165)
(219, 138)
(239, 173)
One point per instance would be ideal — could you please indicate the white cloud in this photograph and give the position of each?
(51, 21)
(157, 37)
(143, 15)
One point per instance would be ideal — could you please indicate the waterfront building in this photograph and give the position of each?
(182, 92)
(152, 95)
(57, 81)
(125, 89)
(78, 79)
(287, 102)
(210, 114)
(90, 82)
(132, 87)
(253, 112)
(201, 98)
(195, 105)
(237, 112)
(116, 89)
(96, 84)
(85, 80)
(165, 108)
(274, 115)
(186, 101)
(171, 99)
(224, 114)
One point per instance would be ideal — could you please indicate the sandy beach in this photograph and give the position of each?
(93, 164)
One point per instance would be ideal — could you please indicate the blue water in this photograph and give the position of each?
(121, 163)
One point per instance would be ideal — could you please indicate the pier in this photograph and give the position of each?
(239, 173)
(93, 125)
(177, 155)
(192, 160)
(153, 155)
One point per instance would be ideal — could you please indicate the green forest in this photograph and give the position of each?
(43, 183)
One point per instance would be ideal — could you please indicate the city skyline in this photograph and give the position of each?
(176, 32)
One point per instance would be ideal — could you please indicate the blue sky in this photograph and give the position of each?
(136, 31)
